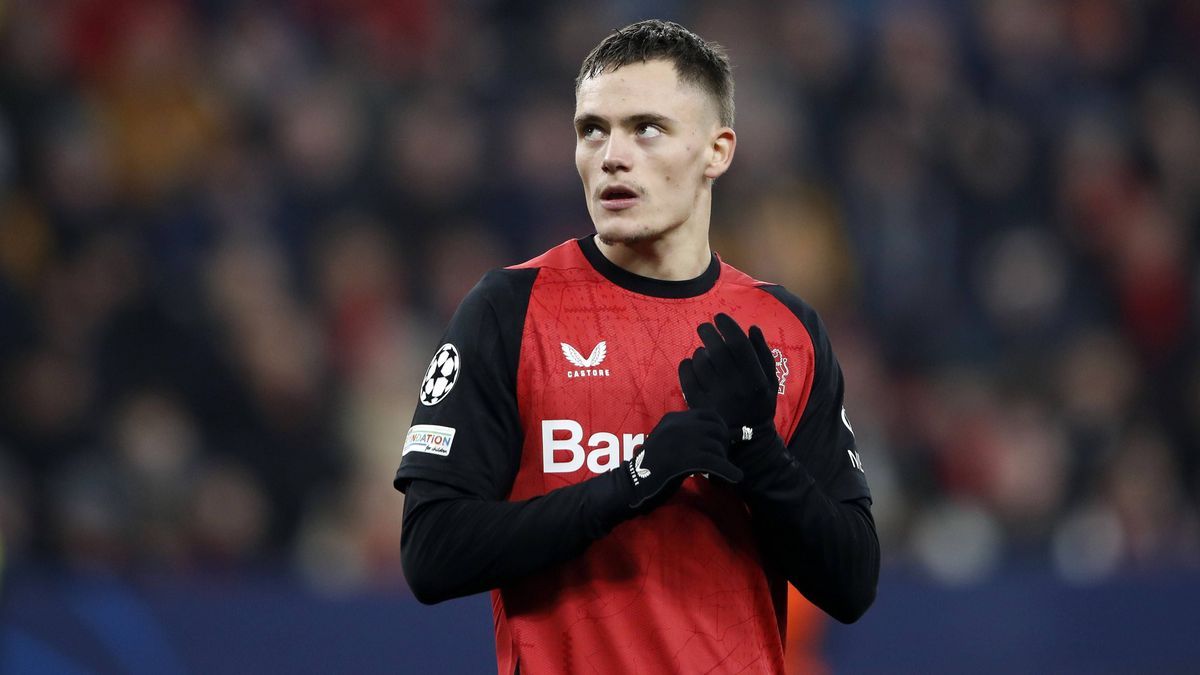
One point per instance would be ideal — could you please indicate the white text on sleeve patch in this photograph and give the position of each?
(430, 438)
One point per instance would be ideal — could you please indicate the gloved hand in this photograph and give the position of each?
(682, 443)
(734, 375)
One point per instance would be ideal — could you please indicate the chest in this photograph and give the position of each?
(599, 367)
(605, 358)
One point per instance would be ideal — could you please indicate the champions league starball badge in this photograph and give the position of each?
(441, 375)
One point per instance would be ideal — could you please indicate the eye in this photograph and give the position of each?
(591, 132)
(648, 130)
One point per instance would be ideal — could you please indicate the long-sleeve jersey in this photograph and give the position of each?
(550, 374)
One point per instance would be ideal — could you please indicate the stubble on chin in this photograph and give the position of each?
(632, 236)
(626, 239)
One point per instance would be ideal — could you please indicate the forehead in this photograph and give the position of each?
(639, 88)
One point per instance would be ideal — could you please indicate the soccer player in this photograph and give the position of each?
(602, 444)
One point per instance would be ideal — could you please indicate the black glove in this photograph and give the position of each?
(681, 444)
(733, 374)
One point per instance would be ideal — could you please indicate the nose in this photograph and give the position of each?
(616, 155)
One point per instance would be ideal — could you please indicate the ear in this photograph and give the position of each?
(720, 153)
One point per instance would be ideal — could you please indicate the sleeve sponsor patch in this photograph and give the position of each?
(431, 438)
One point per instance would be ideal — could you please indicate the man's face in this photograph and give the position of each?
(645, 150)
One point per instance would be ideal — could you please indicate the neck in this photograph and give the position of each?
(679, 254)
(659, 258)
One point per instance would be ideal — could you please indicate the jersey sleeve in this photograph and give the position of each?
(466, 430)
(824, 440)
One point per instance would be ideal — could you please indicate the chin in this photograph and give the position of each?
(627, 233)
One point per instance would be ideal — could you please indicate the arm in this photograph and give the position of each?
(809, 500)
(463, 450)
(828, 549)
(454, 543)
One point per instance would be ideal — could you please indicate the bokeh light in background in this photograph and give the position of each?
(230, 233)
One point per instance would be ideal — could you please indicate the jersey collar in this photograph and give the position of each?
(658, 288)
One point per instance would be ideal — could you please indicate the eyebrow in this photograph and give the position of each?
(630, 120)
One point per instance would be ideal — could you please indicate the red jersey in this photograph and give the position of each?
(568, 390)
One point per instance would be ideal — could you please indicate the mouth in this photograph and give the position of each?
(618, 197)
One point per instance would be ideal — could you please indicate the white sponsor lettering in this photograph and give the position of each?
(607, 455)
(591, 372)
(855, 460)
(631, 442)
(430, 438)
(564, 452)
(552, 445)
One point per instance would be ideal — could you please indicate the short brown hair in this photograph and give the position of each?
(696, 60)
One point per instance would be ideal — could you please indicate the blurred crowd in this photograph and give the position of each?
(231, 232)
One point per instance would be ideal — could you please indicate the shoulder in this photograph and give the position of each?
(794, 304)
(502, 286)
(495, 306)
(566, 255)
(502, 295)
(733, 276)
(500, 292)
(803, 311)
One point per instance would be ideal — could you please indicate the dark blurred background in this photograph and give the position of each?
(231, 233)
